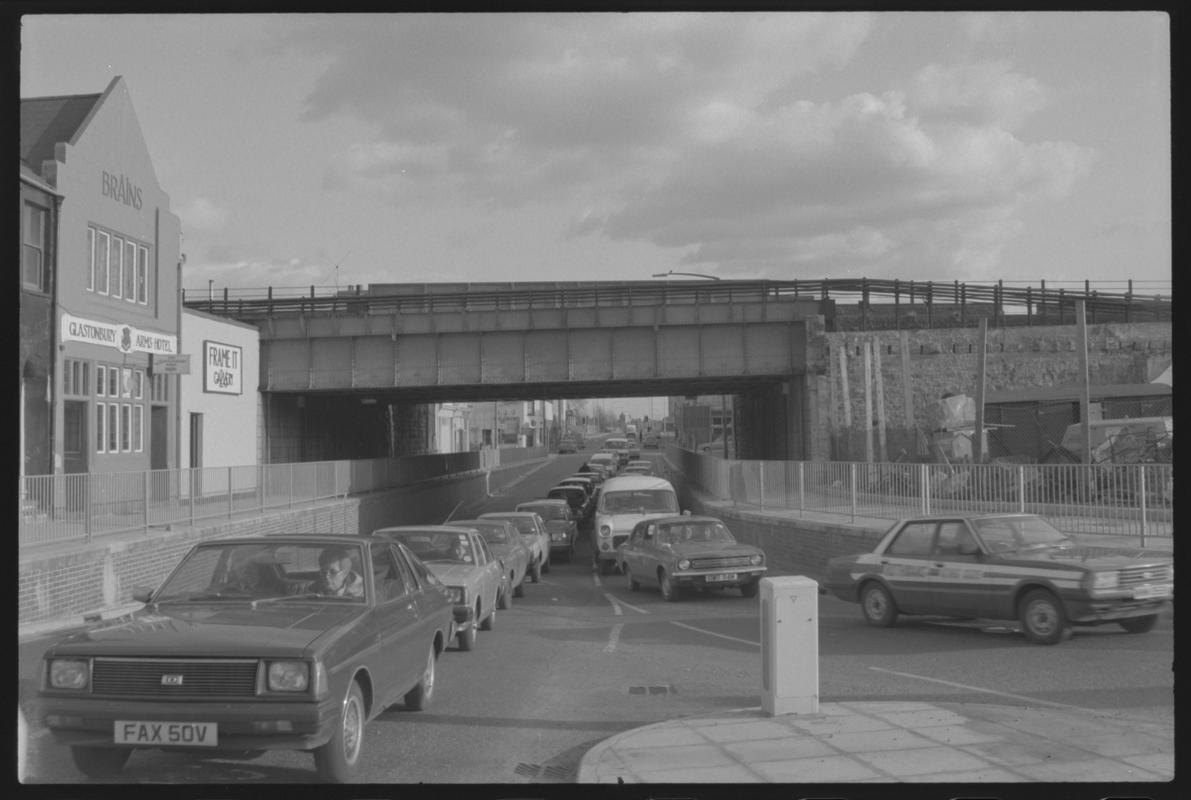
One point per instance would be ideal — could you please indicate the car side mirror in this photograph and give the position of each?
(141, 594)
(686, 512)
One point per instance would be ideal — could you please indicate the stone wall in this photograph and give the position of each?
(919, 367)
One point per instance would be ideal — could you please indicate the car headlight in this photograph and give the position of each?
(684, 563)
(1105, 580)
(289, 676)
(70, 673)
(756, 559)
(605, 530)
(458, 595)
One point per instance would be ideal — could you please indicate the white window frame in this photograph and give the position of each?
(101, 380)
(102, 250)
(116, 268)
(142, 275)
(31, 210)
(113, 382)
(130, 273)
(125, 428)
(101, 434)
(113, 427)
(138, 428)
(90, 259)
(138, 384)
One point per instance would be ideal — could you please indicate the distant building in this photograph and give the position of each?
(99, 290)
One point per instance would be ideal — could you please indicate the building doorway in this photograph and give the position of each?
(159, 450)
(74, 436)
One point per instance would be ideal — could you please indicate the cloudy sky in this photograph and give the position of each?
(461, 147)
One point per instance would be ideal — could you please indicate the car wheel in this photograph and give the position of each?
(100, 762)
(489, 621)
(535, 572)
(417, 698)
(505, 599)
(1042, 618)
(750, 589)
(337, 759)
(669, 590)
(1139, 624)
(467, 638)
(633, 585)
(877, 604)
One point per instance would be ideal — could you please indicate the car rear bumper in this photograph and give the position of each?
(248, 725)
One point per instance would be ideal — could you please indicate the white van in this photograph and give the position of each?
(625, 501)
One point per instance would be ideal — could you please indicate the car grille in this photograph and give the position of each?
(1136, 576)
(723, 561)
(200, 678)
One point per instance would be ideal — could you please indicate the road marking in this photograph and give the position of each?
(596, 579)
(986, 691)
(613, 638)
(618, 602)
(615, 605)
(713, 633)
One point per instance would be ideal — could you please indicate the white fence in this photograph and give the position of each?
(58, 508)
(1120, 499)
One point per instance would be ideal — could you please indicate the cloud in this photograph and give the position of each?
(708, 134)
(202, 214)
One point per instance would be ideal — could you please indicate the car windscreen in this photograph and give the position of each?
(252, 571)
(549, 512)
(493, 532)
(441, 547)
(698, 532)
(640, 501)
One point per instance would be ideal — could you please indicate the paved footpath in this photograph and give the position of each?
(882, 742)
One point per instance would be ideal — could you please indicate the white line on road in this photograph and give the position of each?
(713, 633)
(613, 638)
(615, 605)
(618, 602)
(985, 691)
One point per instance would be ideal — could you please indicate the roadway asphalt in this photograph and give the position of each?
(869, 742)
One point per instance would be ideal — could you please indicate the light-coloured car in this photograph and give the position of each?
(624, 501)
(689, 551)
(245, 647)
(1003, 566)
(560, 522)
(460, 558)
(535, 535)
(608, 460)
(505, 543)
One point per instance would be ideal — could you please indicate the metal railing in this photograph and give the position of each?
(63, 508)
(1119, 499)
(965, 303)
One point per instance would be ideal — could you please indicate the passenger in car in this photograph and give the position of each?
(336, 576)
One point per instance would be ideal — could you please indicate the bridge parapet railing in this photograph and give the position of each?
(79, 507)
(1135, 500)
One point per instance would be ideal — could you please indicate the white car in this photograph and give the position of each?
(625, 501)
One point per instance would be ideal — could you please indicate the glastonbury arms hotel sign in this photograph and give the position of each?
(124, 338)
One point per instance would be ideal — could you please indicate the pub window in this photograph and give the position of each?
(115, 266)
(113, 427)
(138, 384)
(126, 383)
(90, 259)
(34, 250)
(142, 275)
(101, 380)
(101, 417)
(138, 421)
(101, 261)
(126, 428)
(130, 271)
(113, 382)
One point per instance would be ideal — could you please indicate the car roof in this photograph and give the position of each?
(471, 523)
(452, 528)
(504, 514)
(629, 482)
(304, 538)
(542, 501)
(681, 519)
